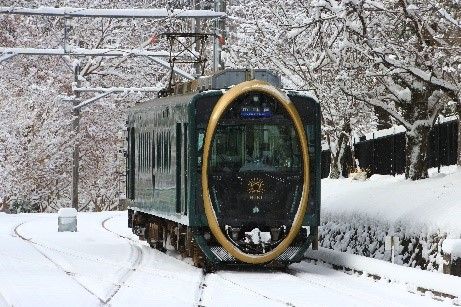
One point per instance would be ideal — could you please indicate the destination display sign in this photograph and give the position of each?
(255, 112)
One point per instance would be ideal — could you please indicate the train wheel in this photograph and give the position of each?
(158, 246)
(197, 257)
(209, 268)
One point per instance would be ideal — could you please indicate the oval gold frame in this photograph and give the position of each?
(221, 106)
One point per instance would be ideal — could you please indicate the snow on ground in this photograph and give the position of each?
(97, 267)
(27, 277)
(431, 204)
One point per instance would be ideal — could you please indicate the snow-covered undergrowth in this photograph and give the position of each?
(356, 216)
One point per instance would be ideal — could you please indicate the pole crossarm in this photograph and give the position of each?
(91, 100)
(107, 91)
(6, 56)
(115, 89)
(82, 52)
(112, 13)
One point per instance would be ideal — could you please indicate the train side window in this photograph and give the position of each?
(153, 150)
(131, 162)
(138, 150)
(165, 152)
(162, 153)
(169, 150)
(158, 152)
(148, 150)
(145, 151)
(200, 139)
(179, 164)
(310, 131)
(141, 152)
(185, 167)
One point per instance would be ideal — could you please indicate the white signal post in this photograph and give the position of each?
(390, 244)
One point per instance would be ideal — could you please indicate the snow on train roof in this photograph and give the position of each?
(303, 93)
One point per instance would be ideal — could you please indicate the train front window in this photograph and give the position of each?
(255, 147)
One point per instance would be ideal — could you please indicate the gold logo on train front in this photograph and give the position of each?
(256, 188)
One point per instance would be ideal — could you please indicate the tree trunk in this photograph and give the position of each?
(340, 161)
(417, 141)
(4, 206)
(337, 152)
(384, 118)
(459, 133)
(335, 166)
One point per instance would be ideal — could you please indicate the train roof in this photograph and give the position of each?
(182, 93)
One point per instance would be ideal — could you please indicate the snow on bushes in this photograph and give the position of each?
(358, 215)
(361, 235)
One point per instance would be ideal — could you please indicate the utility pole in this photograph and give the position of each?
(76, 128)
(219, 31)
(196, 27)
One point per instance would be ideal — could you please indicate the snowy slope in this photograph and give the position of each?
(425, 205)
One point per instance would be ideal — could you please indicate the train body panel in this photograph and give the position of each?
(156, 149)
(164, 183)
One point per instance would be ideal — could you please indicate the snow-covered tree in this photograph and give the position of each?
(273, 34)
(36, 136)
(401, 57)
(398, 55)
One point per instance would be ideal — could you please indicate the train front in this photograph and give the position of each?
(255, 175)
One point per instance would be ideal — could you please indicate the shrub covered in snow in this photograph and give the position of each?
(362, 235)
(358, 215)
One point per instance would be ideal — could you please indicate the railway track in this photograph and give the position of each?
(256, 292)
(71, 275)
(206, 279)
(354, 290)
(135, 261)
(201, 288)
(136, 253)
(411, 288)
(206, 287)
(202, 284)
(335, 287)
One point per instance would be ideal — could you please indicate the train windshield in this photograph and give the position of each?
(255, 147)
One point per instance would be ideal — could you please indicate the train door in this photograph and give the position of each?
(130, 164)
(181, 168)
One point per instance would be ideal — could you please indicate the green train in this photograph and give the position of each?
(226, 170)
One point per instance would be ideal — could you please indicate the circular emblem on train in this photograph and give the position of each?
(256, 186)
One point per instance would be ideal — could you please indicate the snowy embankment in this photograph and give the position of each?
(357, 215)
(415, 280)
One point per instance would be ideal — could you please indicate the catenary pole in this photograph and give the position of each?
(196, 22)
(76, 128)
